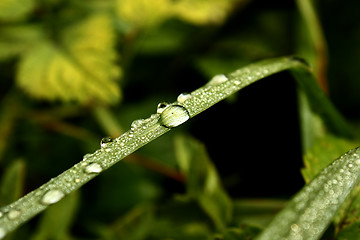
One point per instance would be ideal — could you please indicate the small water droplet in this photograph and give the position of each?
(93, 168)
(2, 233)
(137, 123)
(161, 107)
(217, 79)
(1, 214)
(52, 196)
(105, 140)
(86, 156)
(237, 82)
(183, 97)
(173, 116)
(13, 214)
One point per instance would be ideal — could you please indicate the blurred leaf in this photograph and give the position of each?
(153, 13)
(11, 10)
(56, 221)
(202, 12)
(134, 225)
(143, 13)
(244, 232)
(257, 212)
(9, 110)
(203, 182)
(12, 182)
(80, 67)
(15, 39)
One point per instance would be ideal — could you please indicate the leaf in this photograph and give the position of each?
(322, 153)
(153, 13)
(318, 157)
(56, 222)
(310, 212)
(202, 12)
(202, 180)
(13, 10)
(143, 13)
(12, 182)
(80, 67)
(16, 39)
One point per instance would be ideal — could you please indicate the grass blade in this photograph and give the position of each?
(310, 212)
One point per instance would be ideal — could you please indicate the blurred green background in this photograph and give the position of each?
(73, 71)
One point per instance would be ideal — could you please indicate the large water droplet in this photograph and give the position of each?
(2, 233)
(173, 116)
(105, 140)
(137, 123)
(52, 196)
(161, 107)
(217, 79)
(183, 97)
(93, 168)
(13, 214)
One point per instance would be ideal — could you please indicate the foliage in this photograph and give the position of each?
(73, 71)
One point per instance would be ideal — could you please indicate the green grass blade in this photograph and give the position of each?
(168, 116)
(310, 212)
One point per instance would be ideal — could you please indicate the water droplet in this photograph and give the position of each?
(217, 79)
(93, 168)
(52, 196)
(161, 107)
(173, 116)
(237, 82)
(13, 214)
(1, 214)
(137, 123)
(183, 97)
(2, 233)
(86, 156)
(105, 140)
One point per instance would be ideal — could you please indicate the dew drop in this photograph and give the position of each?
(161, 107)
(52, 196)
(105, 140)
(93, 168)
(13, 214)
(86, 156)
(2, 233)
(173, 116)
(217, 79)
(1, 214)
(137, 123)
(237, 82)
(183, 97)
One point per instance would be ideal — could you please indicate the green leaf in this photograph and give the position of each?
(12, 182)
(257, 212)
(310, 212)
(13, 10)
(80, 67)
(198, 12)
(202, 180)
(56, 222)
(318, 157)
(152, 12)
(16, 39)
(322, 154)
(202, 12)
